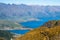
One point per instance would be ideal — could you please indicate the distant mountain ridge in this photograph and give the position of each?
(13, 11)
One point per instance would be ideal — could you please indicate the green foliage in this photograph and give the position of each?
(5, 34)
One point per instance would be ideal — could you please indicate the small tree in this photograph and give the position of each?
(5, 34)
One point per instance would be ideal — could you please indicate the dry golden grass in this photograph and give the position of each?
(1, 38)
(49, 31)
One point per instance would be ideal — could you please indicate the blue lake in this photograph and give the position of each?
(29, 24)
(19, 31)
(32, 24)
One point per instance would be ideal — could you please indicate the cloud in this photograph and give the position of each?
(30, 19)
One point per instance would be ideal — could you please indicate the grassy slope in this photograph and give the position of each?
(49, 31)
(5, 23)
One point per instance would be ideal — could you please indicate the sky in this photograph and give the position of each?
(32, 2)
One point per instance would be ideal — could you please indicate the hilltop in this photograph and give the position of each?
(48, 31)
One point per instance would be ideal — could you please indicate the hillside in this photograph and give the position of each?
(5, 24)
(5, 35)
(49, 31)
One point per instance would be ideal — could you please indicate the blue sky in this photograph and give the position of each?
(32, 2)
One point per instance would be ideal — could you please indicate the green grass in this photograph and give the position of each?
(6, 23)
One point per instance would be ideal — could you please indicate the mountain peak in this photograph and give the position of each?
(23, 5)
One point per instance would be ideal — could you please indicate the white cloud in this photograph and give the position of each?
(30, 19)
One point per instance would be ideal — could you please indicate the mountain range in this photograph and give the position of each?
(23, 12)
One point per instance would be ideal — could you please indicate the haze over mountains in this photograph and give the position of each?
(23, 12)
